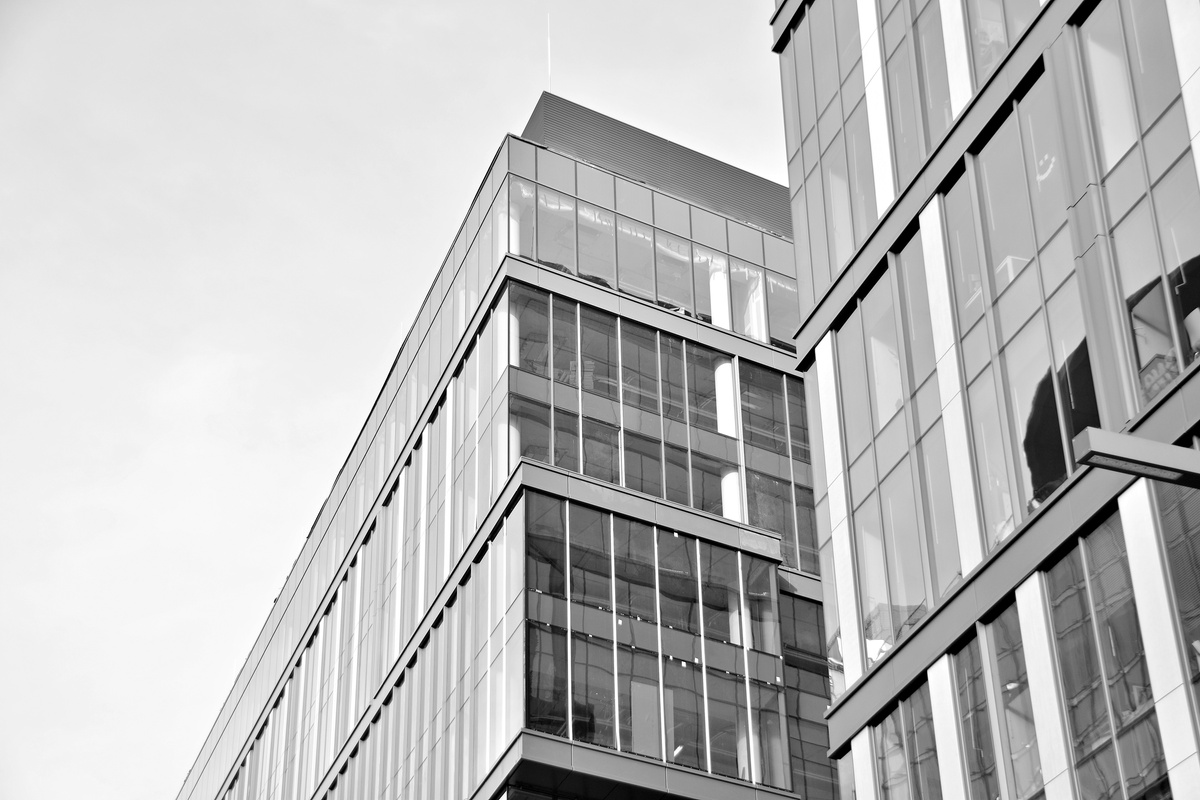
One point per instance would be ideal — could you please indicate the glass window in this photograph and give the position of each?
(566, 439)
(546, 683)
(674, 386)
(932, 72)
(767, 710)
(521, 213)
(673, 261)
(891, 765)
(749, 295)
(1112, 105)
(769, 501)
(601, 453)
(905, 114)
(824, 53)
(883, 352)
(708, 483)
(633, 556)
(566, 347)
(837, 204)
(530, 317)
(964, 253)
(1155, 74)
(1039, 445)
(593, 700)
(530, 427)
(1017, 706)
(639, 366)
(545, 545)
(855, 400)
(635, 257)
(720, 593)
(990, 466)
(712, 286)
(982, 778)
(702, 366)
(556, 230)
(939, 509)
(917, 317)
(678, 585)
(903, 541)
(675, 468)
(591, 567)
(862, 174)
(1072, 364)
(1177, 204)
(764, 414)
(683, 698)
(637, 699)
(805, 91)
(761, 604)
(643, 464)
(597, 245)
(598, 338)
(1045, 159)
(728, 726)
(872, 580)
(1005, 205)
(783, 306)
(917, 712)
(1149, 318)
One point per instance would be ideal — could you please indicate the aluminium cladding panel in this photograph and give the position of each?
(659, 163)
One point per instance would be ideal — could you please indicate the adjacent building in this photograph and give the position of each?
(572, 552)
(996, 217)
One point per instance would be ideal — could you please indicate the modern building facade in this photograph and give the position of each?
(997, 225)
(572, 551)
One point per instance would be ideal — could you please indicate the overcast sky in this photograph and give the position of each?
(216, 220)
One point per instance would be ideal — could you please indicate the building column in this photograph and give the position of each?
(942, 701)
(1049, 719)
(1164, 654)
(950, 389)
(843, 547)
(877, 119)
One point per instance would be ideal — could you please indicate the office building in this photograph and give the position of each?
(997, 225)
(571, 553)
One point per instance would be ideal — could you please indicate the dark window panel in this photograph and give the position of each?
(530, 426)
(591, 562)
(683, 694)
(566, 346)
(643, 464)
(566, 439)
(639, 366)
(633, 555)
(594, 702)
(531, 317)
(720, 593)
(982, 777)
(601, 451)
(598, 338)
(546, 679)
(637, 701)
(728, 726)
(678, 584)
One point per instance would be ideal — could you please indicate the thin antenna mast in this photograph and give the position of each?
(549, 70)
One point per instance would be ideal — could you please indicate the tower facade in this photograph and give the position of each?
(997, 226)
(572, 553)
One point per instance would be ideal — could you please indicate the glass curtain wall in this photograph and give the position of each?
(906, 757)
(649, 642)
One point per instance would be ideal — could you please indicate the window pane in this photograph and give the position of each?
(708, 477)
(600, 451)
(566, 347)
(1039, 446)
(1152, 56)
(728, 728)
(862, 174)
(598, 338)
(891, 766)
(712, 286)
(546, 697)
(1078, 661)
(749, 298)
(934, 76)
(1177, 204)
(720, 593)
(990, 468)
(639, 366)
(683, 698)
(545, 544)
(988, 37)
(824, 53)
(769, 501)
(872, 580)
(556, 230)
(530, 316)
(702, 385)
(918, 322)
(939, 509)
(566, 439)
(637, 689)
(635, 257)
(964, 254)
(1045, 159)
(761, 603)
(521, 212)
(673, 259)
(764, 415)
(673, 385)
(905, 574)
(1104, 54)
(675, 468)
(633, 554)
(1017, 719)
(1149, 319)
(783, 307)
(766, 706)
(593, 700)
(597, 245)
(591, 566)
(1069, 349)
(1005, 205)
(837, 204)
(905, 116)
(1179, 508)
(883, 352)
(678, 586)
(982, 778)
(529, 423)
(856, 407)
(917, 713)
(643, 464)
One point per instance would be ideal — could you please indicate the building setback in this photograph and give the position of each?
(997, 227)
(572, 553)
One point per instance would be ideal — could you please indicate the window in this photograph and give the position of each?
(1017, 718)
(593, 697)
(598, 339)
(749, 297)
(678, 583)
(635, 258)
(530, 320)
(982, 779)
(712, 286)
(643, 464)
(597, 245)
(673, 261)
(639, 366)
(556, 230)
(566, 348)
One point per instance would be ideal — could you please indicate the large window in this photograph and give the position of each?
(906, 759)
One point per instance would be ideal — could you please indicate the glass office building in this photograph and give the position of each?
(996, 214)
(573, 550)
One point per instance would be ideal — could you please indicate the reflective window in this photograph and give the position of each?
(683, 698)
(643, 464)
(597, 245)
(883, 353)
(1005, 206)
(673, 259)
(994, 26)
(1104, 54)
(591, 570)
(633, 556)
(593, 697)
(556, 230)
(637, 699)
(1016, 719)
(720, 593)
(601, 453)
(530, 429)
(762, 609)
(712, 287)
(806, 672)
(941, 529)
(728, 725)
(837, 203)
(546, 685)
(635, 257)
(749, 296)
(598, 340)
(906, 581)
(1039, 449)
(566, 345)
(891, 765)
(990, 465)
(639, 366)
(678, 583)
(964, 253)
(974, 720)
(702, 365)
(530, 318)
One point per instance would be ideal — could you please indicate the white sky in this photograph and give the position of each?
(216, 220)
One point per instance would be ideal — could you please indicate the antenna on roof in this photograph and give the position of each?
(549, 72)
